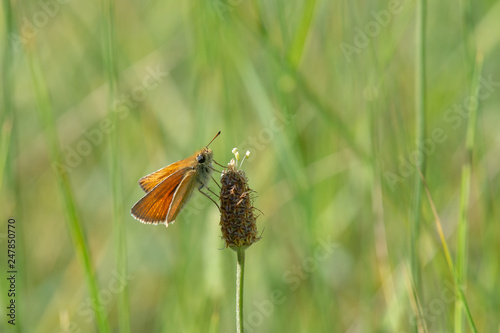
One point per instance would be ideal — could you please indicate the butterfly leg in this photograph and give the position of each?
(218, 164)
(208, 188)
(199, 189)
(215, 170)
(216, 182)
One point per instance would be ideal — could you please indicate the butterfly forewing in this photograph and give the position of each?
(148, 182)
(153, 207)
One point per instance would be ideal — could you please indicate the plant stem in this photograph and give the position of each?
(240, 277)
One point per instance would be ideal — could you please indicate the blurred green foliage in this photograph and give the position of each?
(322, 94)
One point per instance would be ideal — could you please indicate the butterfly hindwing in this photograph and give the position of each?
(182, 195)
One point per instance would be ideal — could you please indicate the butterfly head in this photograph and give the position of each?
(204, 157)
(204, 166)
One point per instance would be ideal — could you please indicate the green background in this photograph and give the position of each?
(323, 94)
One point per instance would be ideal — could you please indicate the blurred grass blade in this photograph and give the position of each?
(415, 304)
(115, 171)
(465, 192)
(448, 255)
(7, 117)
(420, 97)
(4, 147)
(74, 224)
(297, 49)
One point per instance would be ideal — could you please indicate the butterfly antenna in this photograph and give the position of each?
(216, 135)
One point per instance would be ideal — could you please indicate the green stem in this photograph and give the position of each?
(240, 276)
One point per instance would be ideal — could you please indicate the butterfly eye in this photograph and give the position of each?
(200, 158)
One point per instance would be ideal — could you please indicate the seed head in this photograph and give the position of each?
(237, 220)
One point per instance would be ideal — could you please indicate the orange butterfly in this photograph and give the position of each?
(169, 189)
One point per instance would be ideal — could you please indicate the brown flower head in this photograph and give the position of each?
(237, 220)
